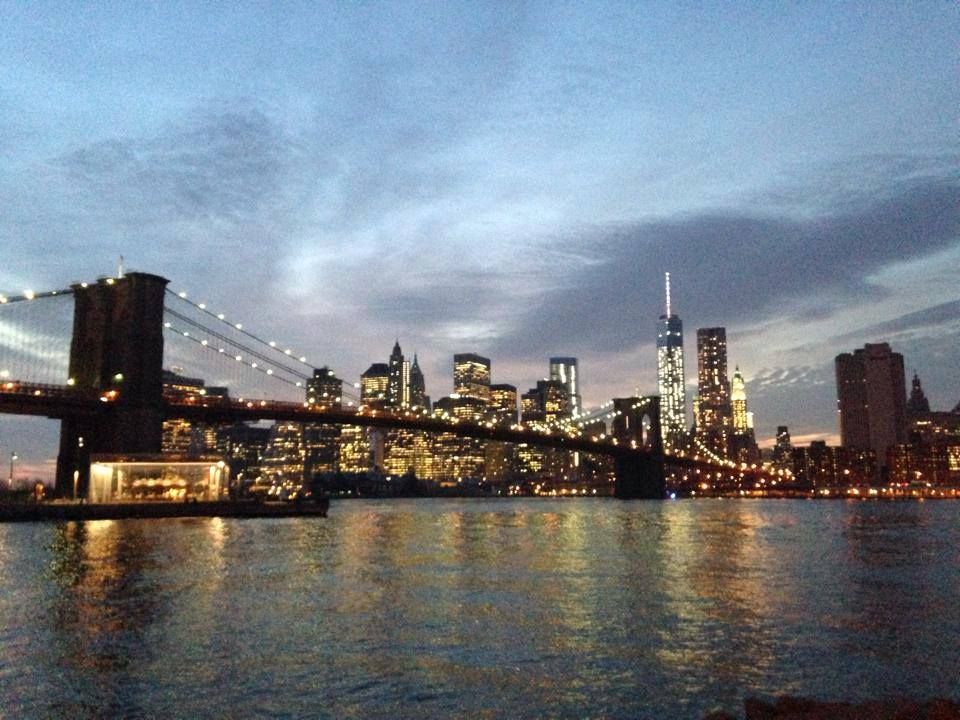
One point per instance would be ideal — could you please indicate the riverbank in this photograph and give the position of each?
(60, 510)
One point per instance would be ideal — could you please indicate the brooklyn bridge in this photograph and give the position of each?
(113, 399)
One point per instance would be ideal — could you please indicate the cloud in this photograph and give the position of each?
(734, 267)
(944, 318)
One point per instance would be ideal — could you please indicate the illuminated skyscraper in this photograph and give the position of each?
(714, 413)
(374, 384)
(670, 380)
(738, 401)
(743, 445)
(321, 441)
(324, 389)
(503, 403)
(471, 376)
(564, 370)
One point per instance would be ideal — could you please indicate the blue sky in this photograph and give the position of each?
(509, 179)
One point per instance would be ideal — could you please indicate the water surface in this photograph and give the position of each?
(481, 608)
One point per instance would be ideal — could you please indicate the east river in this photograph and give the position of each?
(482, 608)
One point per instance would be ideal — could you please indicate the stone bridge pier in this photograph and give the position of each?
(117, 347)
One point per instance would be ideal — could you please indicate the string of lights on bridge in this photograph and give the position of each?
(31, 295)
(288, 355)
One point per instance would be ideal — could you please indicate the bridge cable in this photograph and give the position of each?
(219, 351)
(239, 328)
(233, 343)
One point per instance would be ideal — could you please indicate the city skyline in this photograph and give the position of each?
(510, 183)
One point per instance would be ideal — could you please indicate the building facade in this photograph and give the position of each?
(565, 371)
(872, 399)
(670, 376)
(398, 381)
(714, 410)
(471, 376)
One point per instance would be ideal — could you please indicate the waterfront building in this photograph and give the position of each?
(871, 399)
(322, 440)
(500, 456)
(459, 458)
(285, 453)
(714, 411)
(243, 447)
(822, 466)
(564, 370)
(671, 384)
(471, 376)
(157, 478)
(926, 464)
(782, 449)
(187, 437)
(408, 451)
(354, 449)
(546, 405)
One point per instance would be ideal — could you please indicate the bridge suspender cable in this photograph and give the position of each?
(218, 350)
(286, 354)
(232, 343)
(239, 328)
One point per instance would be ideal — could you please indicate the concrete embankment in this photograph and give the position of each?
(119, 511)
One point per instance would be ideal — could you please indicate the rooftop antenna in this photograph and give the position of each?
(668, 294)
(120, 268)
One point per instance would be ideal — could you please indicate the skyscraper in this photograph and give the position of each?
(418, 386)
(872, 399)
(398, 387)
(783, 449)
(714, 412)
(471, 376)
(743, 444)
(321, 441)
(564, 370)
(503, 403)
(374, 385)
(738, 402)
(670, 380)
(324, 389)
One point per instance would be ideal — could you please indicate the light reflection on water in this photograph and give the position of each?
(481, 609)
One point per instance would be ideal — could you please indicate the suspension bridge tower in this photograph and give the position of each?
(116, 349)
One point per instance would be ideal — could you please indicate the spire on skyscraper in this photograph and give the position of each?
(668, 294)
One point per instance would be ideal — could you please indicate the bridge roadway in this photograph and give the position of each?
(220, 411)
(64, 401)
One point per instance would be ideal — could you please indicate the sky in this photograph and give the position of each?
(511, 179)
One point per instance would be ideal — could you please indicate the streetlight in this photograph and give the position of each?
(13, 456)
